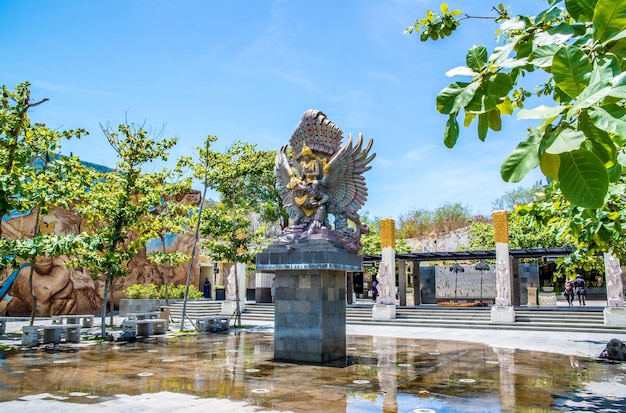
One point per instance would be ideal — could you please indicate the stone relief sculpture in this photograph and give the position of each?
(384, 292)
(502, 283)
(64, 290)
(323, 178)
(231, 291)
(614, 284)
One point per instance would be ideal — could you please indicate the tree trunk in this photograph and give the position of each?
(165, 271)
(193, 254)
(33, 311)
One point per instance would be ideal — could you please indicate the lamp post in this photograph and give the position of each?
(216, 271)
(481, 266)
(456, 268)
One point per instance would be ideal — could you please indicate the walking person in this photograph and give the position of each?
(580, 289)
(273, 289)
(569, 292)
(375, 289)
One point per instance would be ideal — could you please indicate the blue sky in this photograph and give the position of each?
(247, 70)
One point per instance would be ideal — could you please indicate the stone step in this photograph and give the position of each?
(588, 319)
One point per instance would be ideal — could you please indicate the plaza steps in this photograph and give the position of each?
(555, 319)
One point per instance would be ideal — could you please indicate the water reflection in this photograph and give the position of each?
(386, 375)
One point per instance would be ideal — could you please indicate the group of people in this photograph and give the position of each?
(575, 288)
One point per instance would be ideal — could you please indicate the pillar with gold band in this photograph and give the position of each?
(503, 279)
(503, 311)
(385, 307)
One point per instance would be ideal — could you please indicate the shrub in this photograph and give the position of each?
(141, 291)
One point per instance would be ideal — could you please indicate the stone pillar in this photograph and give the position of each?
(350, 288)
(417, 284)
(310, 307)
(402, 283)
(263, 287)
(236, 280)
(615, 312)
(532, 296)
(385, 307)
(503, 311)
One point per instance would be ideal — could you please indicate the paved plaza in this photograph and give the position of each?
(578, 345)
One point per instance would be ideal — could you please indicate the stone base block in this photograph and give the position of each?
(228, 308)
(30, 336)
(615, 316)
(503, 314)
(384, 312)
(547, 299)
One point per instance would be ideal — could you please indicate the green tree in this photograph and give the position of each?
(415, 223)
(517, 196)
(579, 136)
(34, 178)
(524, 232)
(118, 203)
(168, 218)
(241, 177)
(588, 231)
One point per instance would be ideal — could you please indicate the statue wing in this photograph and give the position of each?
(344, 181)
(284, 172)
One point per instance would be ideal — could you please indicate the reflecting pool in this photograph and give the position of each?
(383, 375)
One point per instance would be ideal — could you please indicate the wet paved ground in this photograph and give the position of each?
(390, 370)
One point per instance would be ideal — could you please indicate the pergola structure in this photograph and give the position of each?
(418, 257)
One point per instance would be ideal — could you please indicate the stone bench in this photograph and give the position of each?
(132, 328)
(213, 324)
(87, 319)
(51, 334)
(143, 316)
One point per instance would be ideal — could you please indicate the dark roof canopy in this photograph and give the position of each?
(474, 255)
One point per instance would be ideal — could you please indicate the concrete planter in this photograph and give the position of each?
(139, 305)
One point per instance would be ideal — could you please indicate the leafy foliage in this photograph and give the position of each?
(447, 217)
(32, 174)
(517, 196)
(579, 138)
(245, 180)
(150, 291)
(118, 204)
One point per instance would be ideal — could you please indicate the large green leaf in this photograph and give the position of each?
(609, 118)
(541, 112)
(590, 96)
(522, 160)
(483, 125)
(542, 56)
(451, 133)
(495, 121)
(500, 85)
(476, 58)
(550, 166)
(566, 141)
(584, 179)
(571, 69)
(581, 10)
(609, 19)
(455, 96)
(606, 68)
(599, 141)
(481, 103)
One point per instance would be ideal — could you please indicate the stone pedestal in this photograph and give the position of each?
(384, 312)
(503, 314)
(547, 299)
(532, 296)
(228, 308)
(310, 306)
(615, 316)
